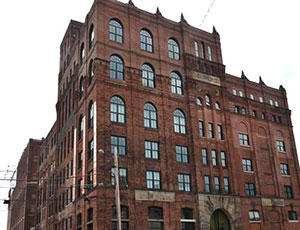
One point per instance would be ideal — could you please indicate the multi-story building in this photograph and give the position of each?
(198, 148)
(22, 203)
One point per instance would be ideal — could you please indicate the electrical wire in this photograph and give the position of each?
(207, 12)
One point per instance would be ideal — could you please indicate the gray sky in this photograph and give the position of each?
(259, 37)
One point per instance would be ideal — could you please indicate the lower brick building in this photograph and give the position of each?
(198, 148)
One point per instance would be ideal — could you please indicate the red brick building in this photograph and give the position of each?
(198, 148)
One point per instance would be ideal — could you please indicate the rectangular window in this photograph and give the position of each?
(217, 184)
(201, 129)
(254, 113)
(203, 50)
(261, 100)
(123, 179)
(90, 149)
(79, 164)
(79, 184)
(244, 139)
(209, 53)
(271, 102)
(204, 157)
(251, 96)
(211, 130)
(276, 103)
(250, 189)
(220, 132)
(284, 168)
(89, 222)
(90, 180)
(207, 184)
(151, 150)
(79, 221)
(214, 158)
(182, 154)
(226, 185)
(241, 94)
(288, 191)
(254, 215)
(153, 179)
(280, 146)
(263, 116)
(184, 182)
(234, 92)
(223, 159)
(247, 165)
(120, 143)
(196, 49)
(293, 216)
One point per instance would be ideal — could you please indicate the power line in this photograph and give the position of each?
(207, 12)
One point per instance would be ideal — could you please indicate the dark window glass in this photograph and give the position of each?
(184, 182)
(148, 76)
(284, 168)
(124, 218)
(80, 127)
(153, 179)
(155, 218)
(90, 149)
(89, 222)
(79, 164)
(250, 189)
(91, 36)
(150, 116)
(117, 109)
(187, 219)
(90, 180)
(151, 150)
(81, 88)
(182, 154)
(146, 41)
(280, 146)
(288, 191)
(226, 185)
(217, 184)
(91, 71)
(201, 129)
(116, 68)
(123, 178)
(176, 83)
(79, 222)
(115, 31)
(220, 132)
(293, 215)
(179, 122)
(203, 50)
(173, 47)
(211, 130)
(119, 143)
(91, 114)
(247, 165)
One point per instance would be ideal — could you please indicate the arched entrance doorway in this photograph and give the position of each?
(219, 221)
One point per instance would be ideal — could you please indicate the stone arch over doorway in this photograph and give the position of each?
(230, 206)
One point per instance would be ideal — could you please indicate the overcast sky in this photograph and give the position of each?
(259, 37)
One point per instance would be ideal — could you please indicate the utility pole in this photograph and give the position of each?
(117, 191)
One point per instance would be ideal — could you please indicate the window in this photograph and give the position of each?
(284, 168)
(244, 139)
(117, 110)
(234, 92)
(91, 71)
(241, 94)
(187, 219)
(280, 146)
(243, 111)
(79, 164)
(236, 109)
(119, 143)
(124, 218)
(155, 218)
(89, 222)
(81, 55)
(203, 50)
(217, 106)
(209, 53)
(81, 88)
(223, 159)
(146, 41)
(220, 132)
(150, 116)
(254, 215)
(273, 118)
(179, 122)
(217, 184)
(207, 100)
(293, 216)
(80, 127)
(211, 130)
(247, 165)
(204, 156)
(254, 113)
(91, 36)
(263, 116)
(91, 114)
(226, 185)
(148, 77)
(90, 180)
(79, 186)
(250, 189)
(271, 102)
(79, 221)
(196, 49)
(198, 101)
(90, 149)
(182, 154)
(123, 179)
(116, 68)
(288, 191)
(115, 31)
(153, 179)
(251, 96)
(261, 100)
(201, 129)
(184, 182)
(214, 158)
(151, 150)
(276, 103)
(207, 184)
(176, 83)
(173, 47)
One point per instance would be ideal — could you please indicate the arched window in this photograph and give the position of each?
(91, 71)
(117, 109)
(115, 31)
(207, 100)
(80, 127)
(91, 114)
(217, 106)
(155, 218)
(173, 47)
(146, 41)
(81, 88)
(124, 218)
(81, 55)
(176, 83)
(179, 122)
(150, 116)
(91, 36)
(199, 101)
(148, 77)
(116, 67)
